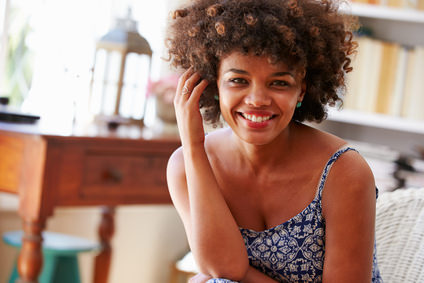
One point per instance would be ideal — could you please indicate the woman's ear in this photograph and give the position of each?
(302, 90)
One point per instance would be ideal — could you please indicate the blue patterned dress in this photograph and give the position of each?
(294, 250)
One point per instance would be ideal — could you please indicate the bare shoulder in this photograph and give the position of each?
(350, 184)
(350, 177)
(175, 167)
(319, 141)
(351, 171)
(216, 143)
(176, 179)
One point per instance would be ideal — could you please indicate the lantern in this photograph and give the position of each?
(120, 74)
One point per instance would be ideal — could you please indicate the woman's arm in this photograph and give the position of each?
(212, 232)
(349, 201)
(252, 276)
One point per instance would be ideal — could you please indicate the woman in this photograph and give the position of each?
(258, 200)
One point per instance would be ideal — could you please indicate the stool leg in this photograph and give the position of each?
(67, 270)
(49, 267)
(14, 275)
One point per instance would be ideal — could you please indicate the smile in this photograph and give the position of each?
(255, 118)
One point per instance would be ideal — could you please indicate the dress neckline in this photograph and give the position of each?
(268, 230)
(318, 191)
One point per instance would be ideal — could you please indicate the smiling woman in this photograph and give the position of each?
(268, 198)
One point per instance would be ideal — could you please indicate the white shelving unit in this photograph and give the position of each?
(381, 121)
(384, 13)
(405, 26)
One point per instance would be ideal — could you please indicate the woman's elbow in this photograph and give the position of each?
(234, 270)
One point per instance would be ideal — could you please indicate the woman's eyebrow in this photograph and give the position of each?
(237, 71)
(243, 72)
(281, 74)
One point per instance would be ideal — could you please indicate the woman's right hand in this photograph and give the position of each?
(186, 103)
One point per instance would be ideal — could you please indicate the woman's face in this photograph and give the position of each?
(257, 98)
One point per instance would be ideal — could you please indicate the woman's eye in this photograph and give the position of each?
(237, 81)
(280, 83)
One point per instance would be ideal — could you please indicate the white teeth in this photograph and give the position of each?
(256, 119)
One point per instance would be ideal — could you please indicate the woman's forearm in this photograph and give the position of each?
(214, 237)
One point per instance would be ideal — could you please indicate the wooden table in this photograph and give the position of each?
(86, 167)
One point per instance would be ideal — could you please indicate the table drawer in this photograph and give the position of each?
(123, 174)
(112, 174)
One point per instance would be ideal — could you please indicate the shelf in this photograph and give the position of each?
(384, 13)
(400, 25)
(376, 120)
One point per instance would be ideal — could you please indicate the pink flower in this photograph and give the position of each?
(164, 88)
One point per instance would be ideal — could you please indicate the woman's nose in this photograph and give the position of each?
(258, 97)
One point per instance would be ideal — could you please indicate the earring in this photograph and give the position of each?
(216, 97)
(299, 104)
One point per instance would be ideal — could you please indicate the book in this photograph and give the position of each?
(395, 108)
(392, 79)
(387, 76)
(370, 77)
(420, 5)
(396, 3)
(413, 102)
(362, 82)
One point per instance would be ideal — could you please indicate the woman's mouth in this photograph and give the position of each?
(256, 118)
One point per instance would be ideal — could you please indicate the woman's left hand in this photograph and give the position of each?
(199, 278)
(186, 103)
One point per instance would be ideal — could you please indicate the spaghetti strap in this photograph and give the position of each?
(329, 164)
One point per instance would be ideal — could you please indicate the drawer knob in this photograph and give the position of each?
(112, 175)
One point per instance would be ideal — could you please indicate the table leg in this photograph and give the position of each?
(106, 230)
(30, 259)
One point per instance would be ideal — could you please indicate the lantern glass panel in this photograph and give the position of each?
(105, 81)
(136, 78)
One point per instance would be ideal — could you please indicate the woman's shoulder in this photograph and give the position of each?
(349, 178)
(347, 163)
(332, 146)
(317, 142)
(175, 169)
(216, 142)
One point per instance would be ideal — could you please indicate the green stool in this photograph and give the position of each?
(60, 262)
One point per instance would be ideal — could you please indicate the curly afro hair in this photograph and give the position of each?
(307, 34)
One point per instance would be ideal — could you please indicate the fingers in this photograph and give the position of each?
(189, 88)
(198, 90)
(183, 79)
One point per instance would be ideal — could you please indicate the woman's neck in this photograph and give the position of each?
(267, 156)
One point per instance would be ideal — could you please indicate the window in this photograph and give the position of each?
(50, 49)
(16, 54)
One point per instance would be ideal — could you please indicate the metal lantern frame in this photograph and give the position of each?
(124, 39)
